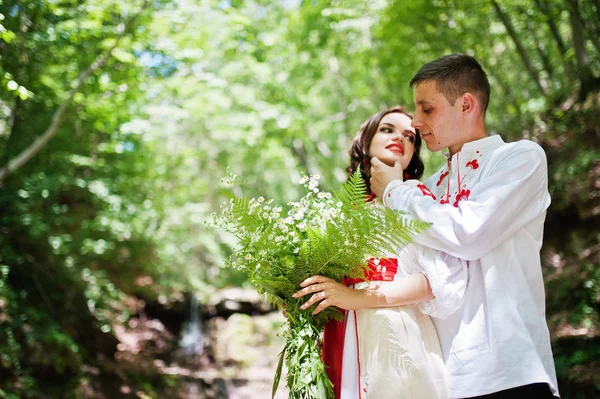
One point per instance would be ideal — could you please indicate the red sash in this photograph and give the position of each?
(380, 269)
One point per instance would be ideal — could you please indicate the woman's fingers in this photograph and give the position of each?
(313, 280)
(315, 287)
(314, 299)
(322, 306)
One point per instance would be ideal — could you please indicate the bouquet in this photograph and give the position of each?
(329, 234)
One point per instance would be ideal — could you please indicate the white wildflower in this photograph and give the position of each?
(296, 250)
(339, 204)
(261, 199)
(248, 257)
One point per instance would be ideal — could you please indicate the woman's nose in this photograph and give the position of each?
(397, 135)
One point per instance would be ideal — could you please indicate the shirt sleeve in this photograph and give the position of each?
(509, 195)
(447, 277)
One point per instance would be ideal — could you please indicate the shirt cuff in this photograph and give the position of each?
(395, 184)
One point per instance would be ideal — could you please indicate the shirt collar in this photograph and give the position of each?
(489, 142)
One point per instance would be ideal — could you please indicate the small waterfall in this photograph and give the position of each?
(192, 338)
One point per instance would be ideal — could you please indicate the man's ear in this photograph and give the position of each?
(468, 102)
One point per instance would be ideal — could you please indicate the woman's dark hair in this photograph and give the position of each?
(359, 150)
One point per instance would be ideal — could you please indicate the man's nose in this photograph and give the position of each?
(416, 123)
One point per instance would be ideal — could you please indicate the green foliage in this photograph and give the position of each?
(321, 234)
(274, 89)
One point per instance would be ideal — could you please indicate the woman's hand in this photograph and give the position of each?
(330, 293)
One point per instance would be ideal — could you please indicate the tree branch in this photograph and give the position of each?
(57, 118)
(533, 73)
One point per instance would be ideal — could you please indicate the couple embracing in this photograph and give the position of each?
(459, 313)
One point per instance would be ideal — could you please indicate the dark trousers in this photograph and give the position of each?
(531, 391)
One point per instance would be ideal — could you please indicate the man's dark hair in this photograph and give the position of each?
(454, 75)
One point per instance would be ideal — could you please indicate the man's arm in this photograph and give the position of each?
(503, 201)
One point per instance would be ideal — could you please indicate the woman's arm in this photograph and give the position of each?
(380, 294)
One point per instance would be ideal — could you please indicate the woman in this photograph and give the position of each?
(387, 346)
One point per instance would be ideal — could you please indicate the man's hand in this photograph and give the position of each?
(382, 175)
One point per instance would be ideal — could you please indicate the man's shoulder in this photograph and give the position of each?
(520, 148)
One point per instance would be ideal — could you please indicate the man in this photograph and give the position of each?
(487, 205)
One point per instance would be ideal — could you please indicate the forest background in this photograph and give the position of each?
(118, 120)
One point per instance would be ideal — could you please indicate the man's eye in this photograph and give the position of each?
(427, 111)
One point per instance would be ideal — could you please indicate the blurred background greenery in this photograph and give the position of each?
(118, 120)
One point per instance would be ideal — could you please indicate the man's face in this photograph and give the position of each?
(438, 121)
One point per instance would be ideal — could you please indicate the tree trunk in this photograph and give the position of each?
(57, 118)
(562, 48)
(533, 73)
(589, 28)
(508, 92)
(584, 72)
(546, 62)
(298, 148)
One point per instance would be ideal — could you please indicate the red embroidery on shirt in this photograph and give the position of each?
(464, 194)
(444, 200)
(425, 191)
(473, 164)
(442, 177)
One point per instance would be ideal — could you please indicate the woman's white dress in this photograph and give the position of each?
(394, 353)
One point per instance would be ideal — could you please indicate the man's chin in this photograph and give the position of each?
(433, 147)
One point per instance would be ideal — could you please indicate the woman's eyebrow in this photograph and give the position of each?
(388, 124)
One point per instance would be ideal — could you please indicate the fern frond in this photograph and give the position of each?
(353, 192)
